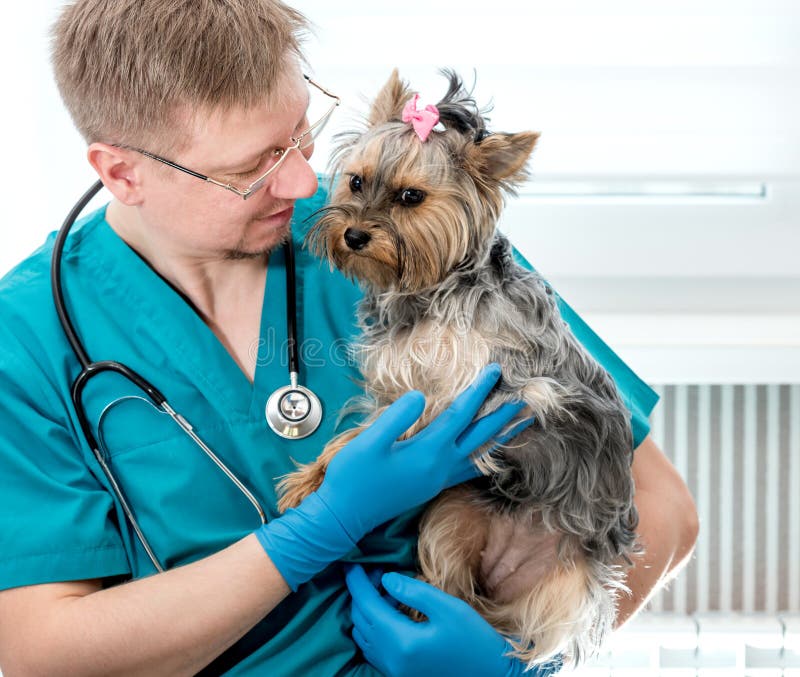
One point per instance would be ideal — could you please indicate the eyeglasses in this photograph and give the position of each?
(277, 156)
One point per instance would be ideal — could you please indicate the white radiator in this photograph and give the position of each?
(738, 448)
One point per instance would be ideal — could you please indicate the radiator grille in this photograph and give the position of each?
(738, 449)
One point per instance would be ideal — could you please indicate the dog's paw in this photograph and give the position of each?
(289, 500)
(293, 488)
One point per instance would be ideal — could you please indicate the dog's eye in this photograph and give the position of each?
(355, 183)
(411, 196)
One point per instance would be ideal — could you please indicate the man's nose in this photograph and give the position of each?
(295, 178)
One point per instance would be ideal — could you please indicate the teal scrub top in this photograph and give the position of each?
(58, 519)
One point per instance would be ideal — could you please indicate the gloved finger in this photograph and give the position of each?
(370, 652)
(374, 576)
(369, 601)
(363, 642)
(431, 601)
(357, 580)
(484, 429)
(395, 420)
(360, 621)
(506, 437)
(460, 413)
(353, 579)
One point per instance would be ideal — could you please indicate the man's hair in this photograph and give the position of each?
(125, 68)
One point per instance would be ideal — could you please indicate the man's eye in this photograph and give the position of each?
(262, 166)
(247, 173)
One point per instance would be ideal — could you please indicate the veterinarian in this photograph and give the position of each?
(186, 286)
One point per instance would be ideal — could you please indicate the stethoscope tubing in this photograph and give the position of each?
(55, 274)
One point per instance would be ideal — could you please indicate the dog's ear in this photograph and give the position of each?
(388, 105)
(502, 157)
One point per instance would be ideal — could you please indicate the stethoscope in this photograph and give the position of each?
(293, 411)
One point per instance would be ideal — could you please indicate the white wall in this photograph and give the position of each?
(673, 127)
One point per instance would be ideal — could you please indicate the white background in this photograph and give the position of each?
(674, 127)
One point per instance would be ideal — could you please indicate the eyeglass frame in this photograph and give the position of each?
(259, 182)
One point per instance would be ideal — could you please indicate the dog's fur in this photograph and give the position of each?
(444, 297)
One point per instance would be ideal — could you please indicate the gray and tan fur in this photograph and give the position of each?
(444, 297)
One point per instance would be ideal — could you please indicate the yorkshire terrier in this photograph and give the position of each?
(413, 218)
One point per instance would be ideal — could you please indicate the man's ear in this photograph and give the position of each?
(118, 170)
(388, 105)
(502, 156)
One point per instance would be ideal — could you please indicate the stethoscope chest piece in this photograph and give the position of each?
(293, 412)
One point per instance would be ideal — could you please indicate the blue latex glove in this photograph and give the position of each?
(455, 640)
(376, 477)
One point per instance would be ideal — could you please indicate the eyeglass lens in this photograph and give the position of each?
(320, 108)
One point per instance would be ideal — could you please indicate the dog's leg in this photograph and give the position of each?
(293, 488)
(542, 589)
(565, 609)
(453, 532)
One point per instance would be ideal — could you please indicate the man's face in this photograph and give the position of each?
(202, 220)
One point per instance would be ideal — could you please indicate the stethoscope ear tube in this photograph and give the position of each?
(291, 308)
(55, 274)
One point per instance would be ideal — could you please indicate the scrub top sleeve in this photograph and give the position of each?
(56, 520)
(639, 398)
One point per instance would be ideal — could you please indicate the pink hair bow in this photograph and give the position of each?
(422, 120)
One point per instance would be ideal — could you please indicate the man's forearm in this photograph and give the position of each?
(173, 623)
(667, 528)
(668, 543)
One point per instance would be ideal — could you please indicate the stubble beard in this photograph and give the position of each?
(241, 252)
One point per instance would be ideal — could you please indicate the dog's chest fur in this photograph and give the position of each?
(438, 340)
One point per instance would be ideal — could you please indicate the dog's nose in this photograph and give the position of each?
(356, 239)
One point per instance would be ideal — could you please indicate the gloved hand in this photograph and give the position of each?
(455, 640)
(376, 477)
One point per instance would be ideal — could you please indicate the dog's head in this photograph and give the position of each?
(405, 211)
